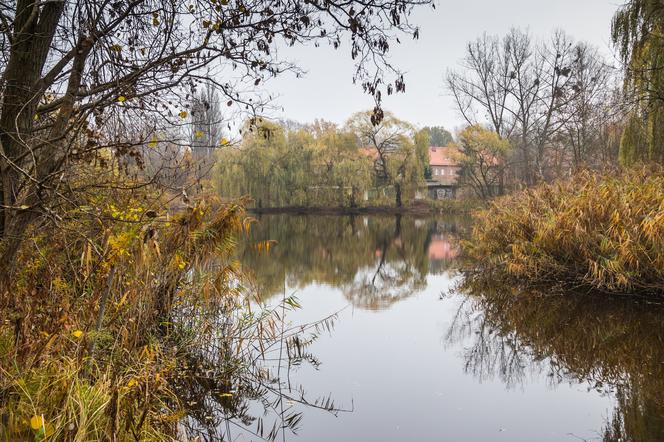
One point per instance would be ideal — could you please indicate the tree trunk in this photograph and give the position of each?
(35, 29)
(353, 197)
(397, 188)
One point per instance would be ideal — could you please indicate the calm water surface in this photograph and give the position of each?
(410, 358)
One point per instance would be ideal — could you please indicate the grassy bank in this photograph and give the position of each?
(601, 232)
(132, 324)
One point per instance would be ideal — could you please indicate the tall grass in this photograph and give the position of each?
(601, 232)
(88, 342)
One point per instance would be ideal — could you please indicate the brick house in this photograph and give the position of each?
(445, 170)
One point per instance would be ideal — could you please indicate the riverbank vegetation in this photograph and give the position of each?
(123, 314)
(588, 150)
(601, 232)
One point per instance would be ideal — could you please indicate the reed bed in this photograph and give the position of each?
(601, 232)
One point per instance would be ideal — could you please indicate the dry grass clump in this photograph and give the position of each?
(602, 232)
(88, 345)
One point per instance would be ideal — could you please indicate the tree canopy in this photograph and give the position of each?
(637, 33)
(438, 135)
(80, 77)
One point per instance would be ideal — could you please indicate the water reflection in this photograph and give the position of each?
(612, 345)
(375, 261)
(497, 340)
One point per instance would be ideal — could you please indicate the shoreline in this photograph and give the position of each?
(419, 209)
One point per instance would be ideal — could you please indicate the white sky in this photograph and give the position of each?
(327, 90)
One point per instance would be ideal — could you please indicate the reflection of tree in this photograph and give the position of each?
(491, 353)
(376, 261)
(612, 344)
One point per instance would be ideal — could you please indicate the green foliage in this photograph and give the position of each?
(601, 232)
(317, 165)
(422, 150)
(392, 145)
(439, 136)
(483, 160)
(321, 165)
(637, 31)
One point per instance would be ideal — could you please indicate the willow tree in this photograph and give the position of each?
(390, 143)
(637, 32)
(483, 158)
(76, 76)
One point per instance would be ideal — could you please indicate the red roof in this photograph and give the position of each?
(443, 156)
(369, 152)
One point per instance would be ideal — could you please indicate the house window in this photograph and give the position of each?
(436, 171)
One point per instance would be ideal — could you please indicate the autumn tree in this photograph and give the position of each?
(340, 163)
(422, 142)
(309, 165)
(390, 143)
(483, 159)
(77, 74)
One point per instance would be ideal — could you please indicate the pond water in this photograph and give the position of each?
(415, 355)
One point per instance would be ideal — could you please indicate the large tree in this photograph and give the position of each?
(390, 142)
(535, 94)
(483, 158)
(637, 32)
(79, 76)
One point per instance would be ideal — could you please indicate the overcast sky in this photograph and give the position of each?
(327, 90)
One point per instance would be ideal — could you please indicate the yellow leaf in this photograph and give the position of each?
(122, 300)
(223, 141)
(77, 333)
(183, 114)
(153, 142)
(131, 383)
(198, 134)
(36, 422)
(122, 98)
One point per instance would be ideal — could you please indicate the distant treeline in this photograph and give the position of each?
(322, 164)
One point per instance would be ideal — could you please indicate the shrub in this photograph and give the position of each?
(603, 232)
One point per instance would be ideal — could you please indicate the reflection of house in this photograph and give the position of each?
(443, 253)
(441, 249)
(445, 171)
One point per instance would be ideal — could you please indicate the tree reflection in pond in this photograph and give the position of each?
(375, 261)
(615, 345)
